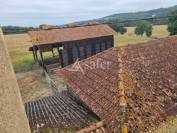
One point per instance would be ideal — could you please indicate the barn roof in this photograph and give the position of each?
(70, 34)
(150, 79)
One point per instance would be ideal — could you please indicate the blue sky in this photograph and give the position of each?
(56, 12)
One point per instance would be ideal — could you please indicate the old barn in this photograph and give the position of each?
(71, 43)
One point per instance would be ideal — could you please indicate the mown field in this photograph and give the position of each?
(22, 59)
(159, 31)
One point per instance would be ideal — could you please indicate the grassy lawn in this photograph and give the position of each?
(159, 31)
(22, 59)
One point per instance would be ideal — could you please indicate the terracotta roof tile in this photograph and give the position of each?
(150, 80)
(70, 34)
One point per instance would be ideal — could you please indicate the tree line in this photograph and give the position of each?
(16, 29)
(146, 27)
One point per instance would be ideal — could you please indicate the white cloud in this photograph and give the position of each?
(35, 12)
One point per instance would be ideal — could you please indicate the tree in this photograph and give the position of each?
(148, 30)
(172, 25)
(119, 28)
(139, 30)
(144, 27)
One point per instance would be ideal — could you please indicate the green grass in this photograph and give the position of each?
(159, 31)
(22, 59)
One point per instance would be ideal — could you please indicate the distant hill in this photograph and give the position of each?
(115, 18)
(161, 12)
(157, 13)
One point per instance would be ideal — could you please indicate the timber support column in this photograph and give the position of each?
(42, 58)
(34, 56)
(12, 113)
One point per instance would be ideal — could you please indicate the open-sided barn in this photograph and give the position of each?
(72, 42)
(149, 77)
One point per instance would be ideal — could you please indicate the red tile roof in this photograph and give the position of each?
(70, 34)
(150, 82)
(97, 87)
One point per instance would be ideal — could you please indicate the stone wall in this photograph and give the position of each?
(12, 113)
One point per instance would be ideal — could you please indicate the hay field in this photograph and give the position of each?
(21, 58)
(159, 31)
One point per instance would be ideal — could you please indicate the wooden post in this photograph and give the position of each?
(60, 56)
(78, 51)
(112, 45)
(53, 53)
(35, 53)
(42, 59)
(34, 57)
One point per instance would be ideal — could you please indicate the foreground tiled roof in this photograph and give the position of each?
(70, 34)
(149, 79)
(57, 111)
(97, 87)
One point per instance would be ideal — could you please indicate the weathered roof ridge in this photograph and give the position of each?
(51, 36)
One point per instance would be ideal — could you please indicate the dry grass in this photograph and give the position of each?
(21, 58)
(33, 86)
(159, 31)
